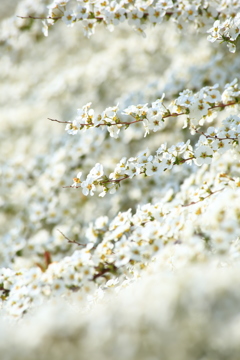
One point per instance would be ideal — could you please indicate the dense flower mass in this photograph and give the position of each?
(149, 267)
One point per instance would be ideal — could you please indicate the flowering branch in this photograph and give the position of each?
(138, 16)
(197, 107)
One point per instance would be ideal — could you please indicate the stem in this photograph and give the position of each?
(70, 241)
(215, 136)
(39, 17)
(196, 202)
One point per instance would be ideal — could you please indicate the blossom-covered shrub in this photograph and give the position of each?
(120, 179)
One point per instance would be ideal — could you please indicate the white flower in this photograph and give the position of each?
(53, 214)
(132, 170)
(134, 17)
(221, 146)
(119, 16)
(185, 99)
(76, 180)
(203, 155)
(198, 110)
(88, 187)
(58, 287)
(155, 168)
(155, 14)
(231, 47)
(69, 18)
(214, 31)
(45, 28)
(89, 27)
(115, 14)
(96, 172)
(114, 131)
(168, 160)
(37, 212)
(155, 120)
(82, 12)
(141, 29)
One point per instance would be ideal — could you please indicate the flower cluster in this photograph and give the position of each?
(227, 30)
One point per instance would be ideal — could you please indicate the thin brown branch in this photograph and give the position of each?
(69, 240)
(182, 161)
(196, 202)
(61, 122)
(114, 180)
(214, 136)
(226, 176)
(222, 105)
(40, 17)
(102, 272)
(4, 290)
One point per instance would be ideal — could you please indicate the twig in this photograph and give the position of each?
(103, 271)
(196, 202)
(5, 291)
(70, 241)
(39, 17)
(214, 136)
(61, 122)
